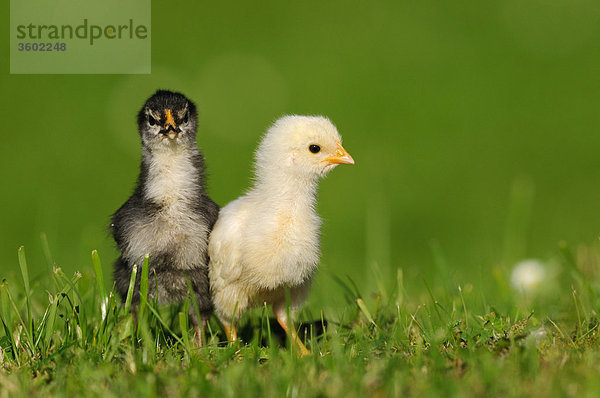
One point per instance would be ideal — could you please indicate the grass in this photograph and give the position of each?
(69, 336)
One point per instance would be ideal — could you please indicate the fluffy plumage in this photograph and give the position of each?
(169, 216)
(267, 241)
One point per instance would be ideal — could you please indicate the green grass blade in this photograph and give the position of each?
(143, 290)
(192, 297)
(363, 308)
(183, 325)
(379, 279)
(5, 319)
(50, 321)
(102, 292)
(4, 303)
(290, 322)
(462, 299)
(77, 302)
(322, 319)
(20, 319)
(164, 324)
(400, 292)
(25, 275)
(100, 280)
(434, 302)
(49, 330)
(46, 249)
(130, 289)
(43, 324)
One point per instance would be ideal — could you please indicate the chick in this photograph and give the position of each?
(267, 241)
(169, 215)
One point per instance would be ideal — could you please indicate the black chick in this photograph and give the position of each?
(169, 216)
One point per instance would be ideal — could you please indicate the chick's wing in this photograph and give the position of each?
(224, 245)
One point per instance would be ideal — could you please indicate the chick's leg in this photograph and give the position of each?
(290, 330)
(230, 331)
(203, 302)
(199, 331)
(227, 306)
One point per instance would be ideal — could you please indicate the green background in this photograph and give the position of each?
(474, 127)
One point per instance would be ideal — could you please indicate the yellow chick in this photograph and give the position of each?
(267, 240)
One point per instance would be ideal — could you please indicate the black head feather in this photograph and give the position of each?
(152, 118)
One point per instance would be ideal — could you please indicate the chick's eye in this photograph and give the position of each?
(151, 121)
(314, 148)
(185, 118)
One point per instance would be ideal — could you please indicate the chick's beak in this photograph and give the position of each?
(170, 122)
(341, 156)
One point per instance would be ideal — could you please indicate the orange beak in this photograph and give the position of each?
(170, 120)
(341, 156)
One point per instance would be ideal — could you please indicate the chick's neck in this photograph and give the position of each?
(278, 188)
(170, 173)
